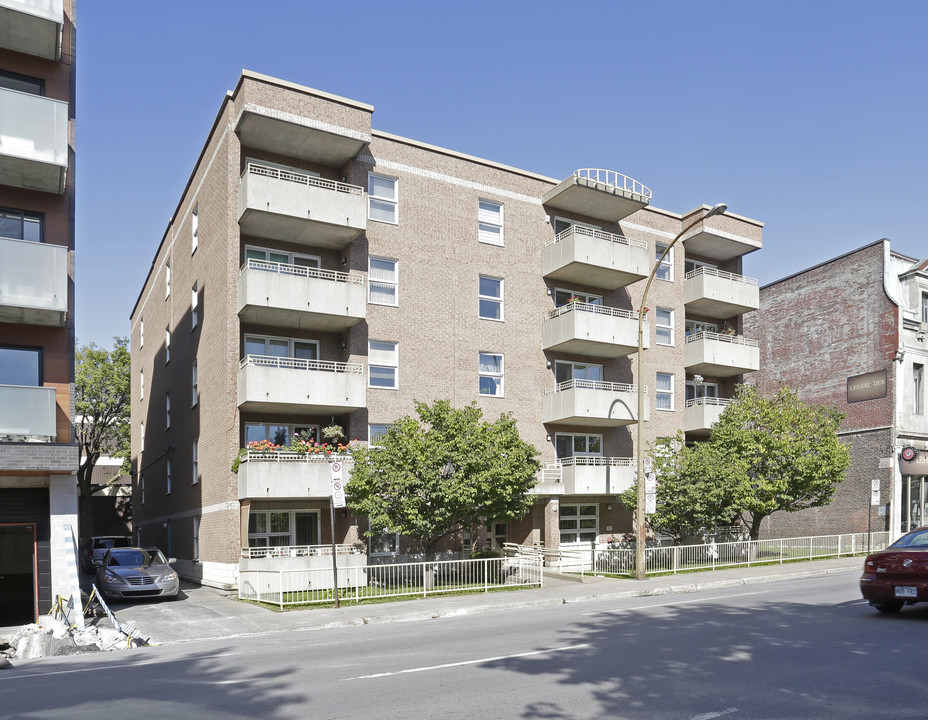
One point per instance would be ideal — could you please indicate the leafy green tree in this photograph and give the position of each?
(101, 387)
(789, 454)
(695, 489)
(445, 472)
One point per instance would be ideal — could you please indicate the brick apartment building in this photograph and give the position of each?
(38, 458)
(318, 271)
(850, 333)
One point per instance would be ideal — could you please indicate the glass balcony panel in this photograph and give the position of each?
(27, 413)
(33, 283)
(33, 141)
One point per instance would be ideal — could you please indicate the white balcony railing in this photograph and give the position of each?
(579, 230)
(713, 401)
(592, 385)
(297, 551)
(303, 179)
(614, 179)
(721, 337)
(589, 307)
(720, 274)
(351, 278)
(300, 364)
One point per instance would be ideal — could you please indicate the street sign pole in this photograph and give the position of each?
(337, 500)
(874, 500)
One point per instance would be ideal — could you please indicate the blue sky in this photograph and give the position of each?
(810, 116)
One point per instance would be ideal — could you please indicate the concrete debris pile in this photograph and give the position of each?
(50, 637)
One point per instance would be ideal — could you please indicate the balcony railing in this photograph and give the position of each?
(27, 414)
(33, 282)
(591, 308)
(592, 403)
(598, 235)
(351, 278)
(720, 274)
(592, 385)
(595, 258)
(720, 402)
(720, 355)
(33, 141)
(300, 364)
(589, 475)
(604, 195)
(303, 179)
(285, 474)
(297, 551)
(722, 338)
(614, 179)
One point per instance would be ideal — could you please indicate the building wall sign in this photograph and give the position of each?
(866, 387)
(917, 466)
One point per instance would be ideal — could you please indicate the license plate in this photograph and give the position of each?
(906, 591)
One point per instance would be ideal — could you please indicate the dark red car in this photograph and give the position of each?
(898, 575)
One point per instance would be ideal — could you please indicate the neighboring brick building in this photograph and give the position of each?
(850, 333)
(317, 271)
(38, 456)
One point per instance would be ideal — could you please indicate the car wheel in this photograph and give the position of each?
(889, 606)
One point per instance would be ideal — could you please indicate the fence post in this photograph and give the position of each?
(781, 551)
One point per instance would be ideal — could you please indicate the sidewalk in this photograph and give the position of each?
(205, 613)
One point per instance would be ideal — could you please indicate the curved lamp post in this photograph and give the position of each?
(639, 445)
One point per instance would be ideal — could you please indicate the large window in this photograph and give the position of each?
(22, 83)
(925, 307)
(385, 543)
(562, 297)
(167, 476)
(382, 198)
(491, 374)
(490, 297)
(490, 222)
(265, 346)
(665, 391)
(578, 445)
(375, 434)
(282, 257)
(694, 327)
(20, 366)
(665, 271)
(579, 523)
(20, 225)
(696, 390)
(269, 528)
(382, 281)
(663, 321)
(918, 389)
(565, 371)
(382, 359)
(278, 434)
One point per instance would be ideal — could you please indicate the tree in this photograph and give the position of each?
(694, 490)
(790, 455)
(101, 387)
(445, 472)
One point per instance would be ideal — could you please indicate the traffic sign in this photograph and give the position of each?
(338, 486)
(650, 482)
(650, 503)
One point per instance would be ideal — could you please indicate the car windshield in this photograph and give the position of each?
(917, 540)
(135, 558)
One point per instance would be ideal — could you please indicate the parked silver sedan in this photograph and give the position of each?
(136, 572)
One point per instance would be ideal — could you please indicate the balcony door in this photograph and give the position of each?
(702, 390)
(307, 528)
(566, 371)
(281, 347)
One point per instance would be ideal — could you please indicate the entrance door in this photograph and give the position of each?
(18, 598)
(307, 528)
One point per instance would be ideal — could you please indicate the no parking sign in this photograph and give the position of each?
(338, 486)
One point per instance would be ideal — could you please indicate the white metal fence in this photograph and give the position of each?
(711, 556)
(367, 582)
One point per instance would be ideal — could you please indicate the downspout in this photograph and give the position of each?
(892, 290)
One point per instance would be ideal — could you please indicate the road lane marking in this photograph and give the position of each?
(710, 715)
(470, 662)
(667, 604)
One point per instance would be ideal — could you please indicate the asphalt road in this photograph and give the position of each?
(794, 649)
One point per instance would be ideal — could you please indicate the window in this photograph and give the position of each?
(925, 307)
(578, 445)
(490, 296)
(21, 83)
(375, 434)
(386, 543)
(562, 224)
(696, 390)
(167, 280)
(665, 271)
(278, 347)
(690, 265)
(665, 391)
(282, 258)
(562, 297)
(565, 371)
(490, 222)
(918, 389)
(195, 391)
(167, 411)
(196, 538)
(194, 306)
(141, 333)
(141, 437)
(382, 364)
(141, 491)
(141, 384)
(663, 320)
(195, 228)
(269, 529)
(195, 461)
(20, 366)
(382, 281)
(167, 345)
(167, 476)
(382, 198)
(694, 327)
(491, 374)
(579, 523)
(21, 225)
(278, 434)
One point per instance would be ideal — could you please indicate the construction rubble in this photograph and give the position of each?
(51, 637)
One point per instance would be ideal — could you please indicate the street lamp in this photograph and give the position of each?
(639, 445)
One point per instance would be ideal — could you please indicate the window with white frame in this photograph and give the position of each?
(167, 476)
(563, 296)
(195, 228)
(690, 265)
(918, 389)
(167, 279)
(282, 259)
(141, 384)
(382, 281)
(277, 433)
(665, 270)
(167, 345)
(167, 411)
(385, 543)
(194, 385)
(490, 297)
(382, 359)
(579, 523)
(194, 306)
(925, 307)
(195, 461)
(382, 198)
(491, 374)
(663, 322)
(490, 222)
(694, 327)
(281, 347)
(142, 487)
(376, 433)
(141, 437)
(21, 225)
(270, 528)
(578, 445)
(142, 333)
(696, 390)
(664, 391)
(565, 371)
(561, 224)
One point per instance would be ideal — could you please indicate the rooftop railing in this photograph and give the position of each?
(720, 274)
(597, 234)
(302, 179)
(288, 363)
(298, 270)
(615, 179)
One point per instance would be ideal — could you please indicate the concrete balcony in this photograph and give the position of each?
(588, 476)
(33, 283)
(590, 403)
(27, 414)
(602, 194)
(723, 237)
(287, 475)
(717, 294)
(290, 296)
(702, 413)
(592, 331)
(33, 141)
(32, 26)
(290, 385)
(714, 355)
(301, 137)
(594, 258)
(291, 206)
